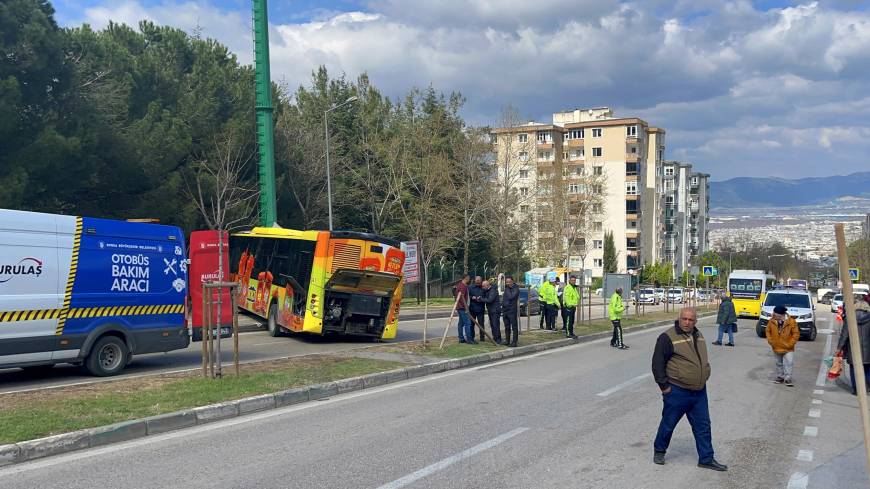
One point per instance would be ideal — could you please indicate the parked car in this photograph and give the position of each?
(660, 293)
(534, 305)
(799, 304)
(647, 296)
(675, 296)
(827, 297)
(836, 302)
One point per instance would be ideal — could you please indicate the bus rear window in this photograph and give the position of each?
(745, 285)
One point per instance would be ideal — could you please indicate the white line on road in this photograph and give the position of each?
(623, 385)
(823, 369)
(817, 401)
(798, 480)
(818, 392)
(815, 413)
(826, 331)
(811, 431)
(805, 455)
(431, 469)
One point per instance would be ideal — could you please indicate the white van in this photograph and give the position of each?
(87, 291)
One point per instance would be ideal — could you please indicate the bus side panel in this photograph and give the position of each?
(137, 283)
(316, 290)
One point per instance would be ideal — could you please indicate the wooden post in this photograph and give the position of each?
(528, 309)
(235, 334)
(447, 328)
(854, 339)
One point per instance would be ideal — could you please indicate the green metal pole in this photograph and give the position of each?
(265, 130)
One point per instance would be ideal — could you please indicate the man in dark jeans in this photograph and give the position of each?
(493, 308)
(510, 309)
(466, 331)
(477, 308)
(681, 369)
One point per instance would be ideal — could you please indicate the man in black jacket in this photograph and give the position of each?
(862, 316)
(510, 309)
(681, 369)
(490, 299)
(476, 308)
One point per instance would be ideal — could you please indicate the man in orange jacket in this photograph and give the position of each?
(782, 335)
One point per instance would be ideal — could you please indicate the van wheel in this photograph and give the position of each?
(813, 333)
(108, 356)
(272, 322)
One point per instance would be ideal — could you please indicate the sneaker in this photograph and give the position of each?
(713, 465)
(778, 380)
(789, 383)
(462, 341)
(659, 458)
(623, 347)
(729, 344)
(572, 336)
(717, 343)
(472, 342)
(612, 345)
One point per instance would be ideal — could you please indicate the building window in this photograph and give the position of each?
(573, 188)
(669, 200)
(630, 188)
(524, 191)
(661, 154)
(631, 131)
(597, 226)
(580, 170)
(524, 173)
(597, 151)
(523, 138)
(596, 190)
(545, 137)
(597, 170)
(597, 262)
(524, 208)
(596, 208)
(669, 171)
(524, 156)
(545, 155)
(597, 244)
(596, 132)
(565, 155)
(574, 134)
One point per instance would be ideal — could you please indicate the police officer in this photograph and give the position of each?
(570, 299)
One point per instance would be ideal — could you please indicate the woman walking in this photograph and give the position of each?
(727, 320)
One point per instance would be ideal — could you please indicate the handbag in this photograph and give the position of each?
(733, 327)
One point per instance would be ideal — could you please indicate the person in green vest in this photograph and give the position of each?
(570, 299)
(614, 312)
(549, 302)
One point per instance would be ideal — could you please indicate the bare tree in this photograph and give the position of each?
(303, 153)
(219, 186)
(471, 185)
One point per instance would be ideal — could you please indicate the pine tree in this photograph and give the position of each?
(609, 253)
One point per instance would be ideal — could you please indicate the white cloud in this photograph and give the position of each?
(740, 91)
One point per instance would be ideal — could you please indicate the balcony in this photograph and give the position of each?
(631, 169)
(693, 206)
(632, 157)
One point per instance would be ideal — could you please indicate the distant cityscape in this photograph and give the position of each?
(808, 231)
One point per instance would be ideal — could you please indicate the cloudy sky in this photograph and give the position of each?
(743, 88)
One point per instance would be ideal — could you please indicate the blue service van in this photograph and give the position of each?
(87, 291)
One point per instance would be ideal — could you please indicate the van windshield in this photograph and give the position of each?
(787, 300)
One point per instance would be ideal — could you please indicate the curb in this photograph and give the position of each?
(25, 451)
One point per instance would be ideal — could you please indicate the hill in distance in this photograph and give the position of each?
(780, 192)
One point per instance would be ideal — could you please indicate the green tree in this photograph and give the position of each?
(610, 265)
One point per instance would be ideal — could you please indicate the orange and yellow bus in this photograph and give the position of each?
(319, 281)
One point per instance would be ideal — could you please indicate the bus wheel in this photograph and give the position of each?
(108, 356)
(272, 322)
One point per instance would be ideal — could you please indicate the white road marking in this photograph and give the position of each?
(818, 392)
(825, 331)
(470, 452)
(823, 369)
(815, 413)
(805, 455)
(798, 480)
(817, 401)
(811, 431)
(625, 384)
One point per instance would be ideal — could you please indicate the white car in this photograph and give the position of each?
(660, 293)
(836, 302)
(647, 296)
(675, 296)
(798, 303)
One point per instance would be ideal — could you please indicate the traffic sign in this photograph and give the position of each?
(855, 274)
(708, 271)
(715, 271)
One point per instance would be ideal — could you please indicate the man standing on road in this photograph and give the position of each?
(490, 299)
(548, 303)
(614, 312)
(477, 307)
(862, 318)
(466, 332)
(782, 336)
(726, 318)
(510, 308)
(570, 299)
(681, 370)
(560, 288)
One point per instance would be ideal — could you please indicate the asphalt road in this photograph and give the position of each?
(253, 346)
(582, 416)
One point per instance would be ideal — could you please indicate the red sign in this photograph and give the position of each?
(203, 269)
(411, 268)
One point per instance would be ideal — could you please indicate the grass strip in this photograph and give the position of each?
(30, 415)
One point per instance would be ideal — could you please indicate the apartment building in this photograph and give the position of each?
(590, 153)
(685, 199)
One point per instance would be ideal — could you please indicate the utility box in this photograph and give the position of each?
(613, 281)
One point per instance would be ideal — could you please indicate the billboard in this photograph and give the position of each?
(411, 268)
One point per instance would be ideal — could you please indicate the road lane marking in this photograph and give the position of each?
(825, 331)
(805, 455)
(470, 452)
(811, 431)
(817, 401)
(823, 369)
(815, 413)
(818, 392)
(623, 385)
(798, 480)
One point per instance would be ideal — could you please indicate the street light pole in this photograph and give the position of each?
(326, 134)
